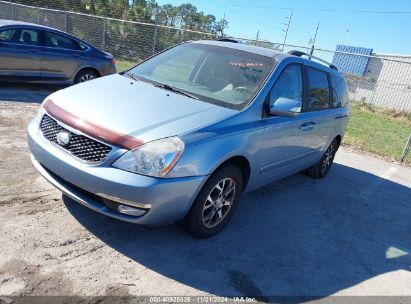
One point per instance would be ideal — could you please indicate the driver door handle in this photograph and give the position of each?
(341, 116)
(307, 126)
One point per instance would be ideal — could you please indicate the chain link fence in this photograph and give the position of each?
(385, 81)
(126, 40)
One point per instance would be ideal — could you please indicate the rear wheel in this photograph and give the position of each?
(85, 75)
(320, 169)
(215, 203)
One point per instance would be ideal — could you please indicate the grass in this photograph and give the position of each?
(122, 64)
(379, 131)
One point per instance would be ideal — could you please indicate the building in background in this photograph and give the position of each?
(380, 79)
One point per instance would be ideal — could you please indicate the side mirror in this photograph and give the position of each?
(285, 107)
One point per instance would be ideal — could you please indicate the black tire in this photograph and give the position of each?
(85, 75)
(321, 169)
(197, 222)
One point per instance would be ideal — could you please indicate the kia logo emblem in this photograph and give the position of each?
(63, 138)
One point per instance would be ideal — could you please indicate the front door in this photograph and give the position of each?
(20, 53)
(291, 144)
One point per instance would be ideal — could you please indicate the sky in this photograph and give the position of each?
(361, 23)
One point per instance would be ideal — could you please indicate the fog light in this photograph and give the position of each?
(130, 210)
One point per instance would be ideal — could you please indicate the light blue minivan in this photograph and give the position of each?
(182, 135)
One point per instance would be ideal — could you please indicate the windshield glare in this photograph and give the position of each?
(214, 74)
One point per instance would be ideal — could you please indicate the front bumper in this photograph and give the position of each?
(166, 200)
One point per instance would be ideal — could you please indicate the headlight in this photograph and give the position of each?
(155, 158)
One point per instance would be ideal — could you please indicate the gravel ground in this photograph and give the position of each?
(348, 234)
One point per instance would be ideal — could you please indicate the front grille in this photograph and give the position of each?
(80, 146)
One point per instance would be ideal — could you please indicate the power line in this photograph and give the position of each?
(259, 14)
(270, 17)
(295, 27)
(245, 16)
(251, 1)
(289, 26)
(325, 10)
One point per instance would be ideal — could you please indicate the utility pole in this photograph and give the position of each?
(222, 29)
(258, 33)
(286, 30)
(313, 41)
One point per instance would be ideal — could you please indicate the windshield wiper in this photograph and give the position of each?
(174, 89)
(159, 85)
(131, 75)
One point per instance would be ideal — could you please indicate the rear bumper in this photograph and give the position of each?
(164, 200)
(107, 69)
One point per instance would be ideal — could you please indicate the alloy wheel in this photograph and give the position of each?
(219, 202)
(87, 77)
(328, 157)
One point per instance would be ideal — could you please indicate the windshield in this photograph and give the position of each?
(214, 74)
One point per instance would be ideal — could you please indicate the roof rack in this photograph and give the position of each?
(301, 54)
(229, 40)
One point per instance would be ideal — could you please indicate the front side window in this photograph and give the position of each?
(220, 75)
(289, 85)
(340, 95)
(318, 91)
(29, 37)
(58, 41)
(7, 35)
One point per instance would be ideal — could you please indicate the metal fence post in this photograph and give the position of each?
(406, 149)
(13, 12)
(155, 38)
(103, 41)
(155, 34)
(65, 22)
(38, 15)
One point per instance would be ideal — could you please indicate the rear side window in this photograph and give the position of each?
(29, 37)
(340, 95)
(7, 35)
(318, 90)
(58, 41)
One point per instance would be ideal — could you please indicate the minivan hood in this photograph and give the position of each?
(135, 108)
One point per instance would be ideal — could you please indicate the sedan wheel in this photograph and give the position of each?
(87, 77)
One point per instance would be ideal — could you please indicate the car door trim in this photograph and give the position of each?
(288, 161)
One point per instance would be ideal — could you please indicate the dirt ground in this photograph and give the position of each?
(348, 234)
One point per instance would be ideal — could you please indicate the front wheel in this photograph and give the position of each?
(320, 169)
(215, 203)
